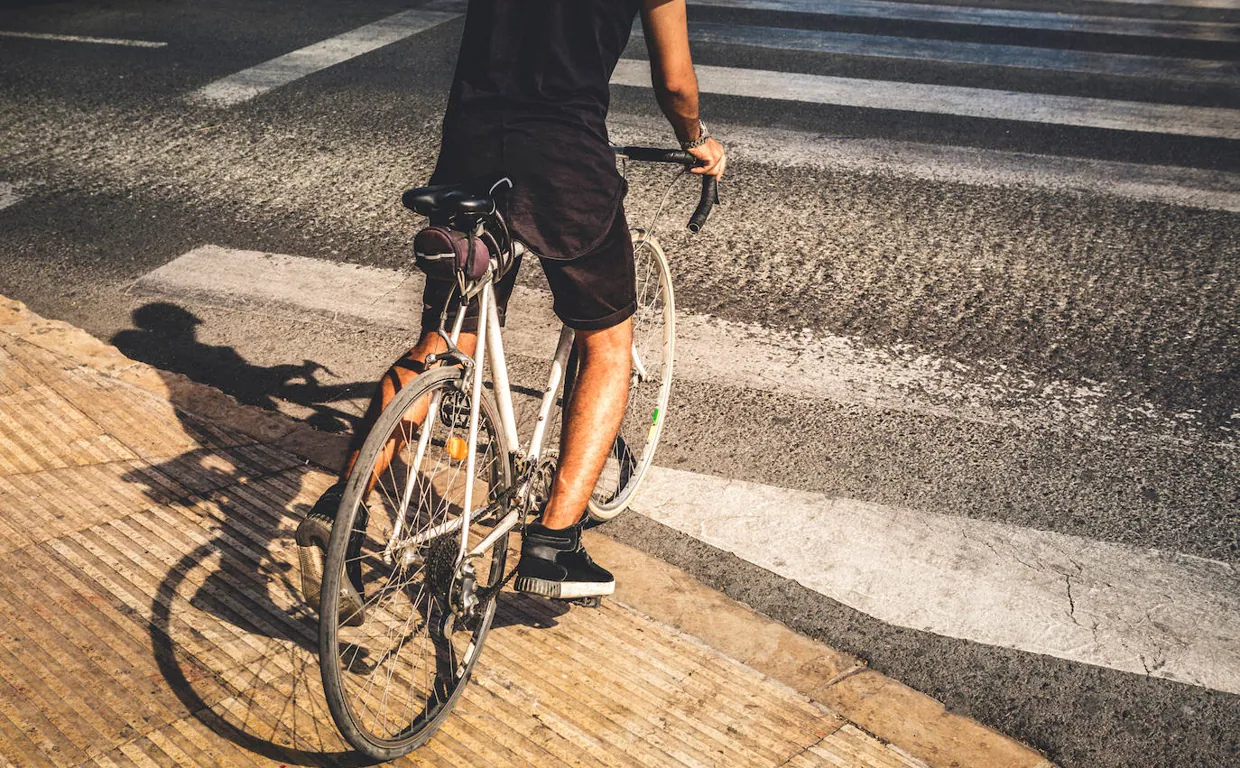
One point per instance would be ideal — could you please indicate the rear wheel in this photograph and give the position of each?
(650, 384)
(392, 674)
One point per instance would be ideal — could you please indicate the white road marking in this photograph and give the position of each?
(81, 39)
(994, 17)
(935, 162)
(1046, 109)
(1137, 610)
(1026, 57)
(713, 351)
(13, 192)
(283, 70)
(1226, 5)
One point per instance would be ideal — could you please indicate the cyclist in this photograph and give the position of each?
(529, 101)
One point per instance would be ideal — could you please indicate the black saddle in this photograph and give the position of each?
(473, 198)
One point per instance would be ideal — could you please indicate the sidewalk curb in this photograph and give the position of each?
(915, 723)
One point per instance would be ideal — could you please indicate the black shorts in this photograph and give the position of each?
(591, 292)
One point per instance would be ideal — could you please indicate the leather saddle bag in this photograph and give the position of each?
(444, 253)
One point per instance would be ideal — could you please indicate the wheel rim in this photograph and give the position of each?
(399, 672)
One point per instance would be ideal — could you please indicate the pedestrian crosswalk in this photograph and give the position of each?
(1128, 608)
(1166, 107)
(965, 99)
(1106, 622)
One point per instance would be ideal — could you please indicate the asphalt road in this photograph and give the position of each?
(1046, 311)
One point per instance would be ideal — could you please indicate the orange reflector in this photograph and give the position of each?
(458, 448)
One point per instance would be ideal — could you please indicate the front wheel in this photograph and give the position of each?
(650, 384)
(393, 670)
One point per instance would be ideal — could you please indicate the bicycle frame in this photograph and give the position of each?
(490, 349)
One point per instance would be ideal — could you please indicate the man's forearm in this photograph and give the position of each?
(680, 106)
(671, 67)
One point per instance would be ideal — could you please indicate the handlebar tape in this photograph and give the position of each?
(657, 155)
(710, 184)
(710, 196)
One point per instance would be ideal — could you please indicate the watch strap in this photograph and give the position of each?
(703, 135)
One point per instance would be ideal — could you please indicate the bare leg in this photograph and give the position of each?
(403, 371)
(595, 411)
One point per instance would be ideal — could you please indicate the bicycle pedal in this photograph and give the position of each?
(585, 602)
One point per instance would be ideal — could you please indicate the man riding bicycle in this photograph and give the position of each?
(529, 102)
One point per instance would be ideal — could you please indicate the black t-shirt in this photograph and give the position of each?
(529, 101)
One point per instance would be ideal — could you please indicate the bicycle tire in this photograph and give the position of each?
(654, 339)
(343, 652)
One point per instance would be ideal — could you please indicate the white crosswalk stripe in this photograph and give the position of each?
(994, 17)
(1127, 608)
(1048, 109)
(708, 350)
(283, 70)
(1122, 607)
(967, 165)
(82, 39)
(957, 52)
(1228, 5)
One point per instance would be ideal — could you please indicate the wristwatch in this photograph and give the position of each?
(703, 135)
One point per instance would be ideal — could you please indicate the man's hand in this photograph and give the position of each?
(711, 153)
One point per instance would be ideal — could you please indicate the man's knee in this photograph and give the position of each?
(608, 345)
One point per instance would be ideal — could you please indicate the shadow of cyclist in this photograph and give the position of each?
(230, 632)
(166, 336)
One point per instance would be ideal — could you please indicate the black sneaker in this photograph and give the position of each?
(555, 564)
(312, 536)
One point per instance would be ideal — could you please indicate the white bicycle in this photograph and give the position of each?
(442, 479)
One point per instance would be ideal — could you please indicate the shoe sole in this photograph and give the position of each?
(563, 590)
(311, 574)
